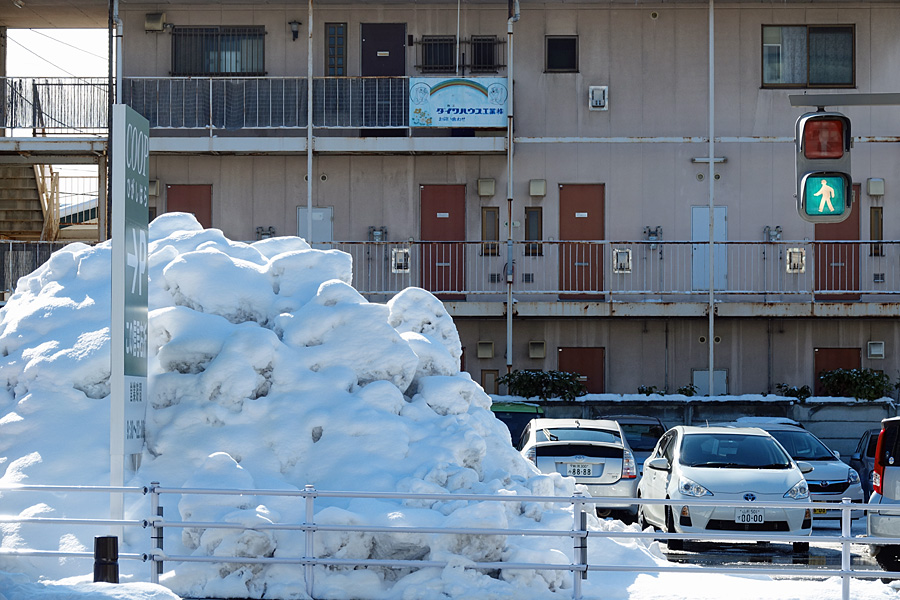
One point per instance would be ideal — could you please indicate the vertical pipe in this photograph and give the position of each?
(155, 532)
(712, 264)
(309, 122)
(509, 185)
(845, 549)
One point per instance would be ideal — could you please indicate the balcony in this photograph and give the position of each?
(640, 278)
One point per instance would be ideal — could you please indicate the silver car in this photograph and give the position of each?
(594, 452)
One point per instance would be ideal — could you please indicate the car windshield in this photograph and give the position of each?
(802, 445)
(569, 434)
(642, 436)
(733, 451)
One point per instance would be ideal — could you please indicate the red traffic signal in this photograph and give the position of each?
(824, 138)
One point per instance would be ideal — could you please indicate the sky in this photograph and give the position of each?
(268, 370)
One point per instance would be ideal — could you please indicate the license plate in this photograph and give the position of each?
(579, 470)
(819, 511)
(748, 516)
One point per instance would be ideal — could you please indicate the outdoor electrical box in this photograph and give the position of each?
(824, 183)
(598, 96)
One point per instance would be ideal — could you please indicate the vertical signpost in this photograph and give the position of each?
(128, 397)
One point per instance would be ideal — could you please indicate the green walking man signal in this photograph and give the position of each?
(824, 184)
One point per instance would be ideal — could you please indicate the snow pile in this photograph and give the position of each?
(267, 370)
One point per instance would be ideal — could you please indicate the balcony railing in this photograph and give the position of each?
(677, 271)
(269, 102)
(63, 104)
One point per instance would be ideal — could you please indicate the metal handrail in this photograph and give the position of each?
(580, 533)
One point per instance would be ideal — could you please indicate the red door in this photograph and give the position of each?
(443, 229)
(828, 359)
(581, 219)
(837, 265)
(587, 362)
(195, 199)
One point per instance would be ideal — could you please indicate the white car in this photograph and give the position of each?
(745, 465)
(594, 452)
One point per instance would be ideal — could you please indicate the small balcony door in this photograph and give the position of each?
(582, 210)
(837, 265)
(589, 363)
(443, 229)
(194, 199)
(700, 248)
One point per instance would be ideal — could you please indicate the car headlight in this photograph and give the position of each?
(692, 488)
(799, 492)
(853, 476)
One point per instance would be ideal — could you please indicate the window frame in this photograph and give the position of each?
(431, 46)
(547, 39)
(191, 39)
(806, 84)
(876, 230)
(490, 246)
(533, 247)
(484, 44)
(330, 69)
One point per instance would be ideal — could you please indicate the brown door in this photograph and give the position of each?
(837, 264)
(194, 199)
(828, 359)
(383, 49)
(581, 219)
(587, 362)
(443, 229)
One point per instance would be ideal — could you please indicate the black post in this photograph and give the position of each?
(106, 559)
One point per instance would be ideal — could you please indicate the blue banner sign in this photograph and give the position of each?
(458, 102)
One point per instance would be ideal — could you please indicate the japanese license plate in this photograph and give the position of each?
(579, 470)
(819, 511)
(747, 516)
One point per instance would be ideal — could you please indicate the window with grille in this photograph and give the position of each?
(214, 51)
(437, 54)
(336, 49)
(808, 56)
(484, 54)
(876, 230)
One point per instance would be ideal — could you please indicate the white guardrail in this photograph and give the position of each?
(580, 534)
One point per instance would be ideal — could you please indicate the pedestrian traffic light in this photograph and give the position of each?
(824, 184)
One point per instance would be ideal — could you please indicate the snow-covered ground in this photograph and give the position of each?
(268, 370)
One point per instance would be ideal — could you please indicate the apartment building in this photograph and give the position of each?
(598, 113)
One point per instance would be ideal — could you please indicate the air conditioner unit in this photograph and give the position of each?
(598, 96)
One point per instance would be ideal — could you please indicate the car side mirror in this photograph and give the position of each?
(837, 454)
(854, 456)
(660, 463)
(804, 467)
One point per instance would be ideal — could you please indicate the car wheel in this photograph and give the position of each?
(799, 547)
(670, 528)
(888, 558)
(603, 512)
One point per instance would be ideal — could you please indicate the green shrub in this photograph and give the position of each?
(543, 384)
(649, 390)
(861, 384)
(800, 393)
(687, 390)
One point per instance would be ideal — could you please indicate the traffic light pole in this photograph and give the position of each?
(711, 178)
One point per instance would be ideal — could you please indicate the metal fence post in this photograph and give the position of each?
(156, 533)
(579, 544)
(308, 533)
(106, 559)
(845, 548)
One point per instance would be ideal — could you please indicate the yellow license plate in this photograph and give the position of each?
(819, 511)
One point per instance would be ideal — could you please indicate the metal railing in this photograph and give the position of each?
(788, 271)
(62, 104)
(577, 539)
(18, 259)
(269, 102)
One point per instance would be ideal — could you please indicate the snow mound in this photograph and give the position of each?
(267, 370)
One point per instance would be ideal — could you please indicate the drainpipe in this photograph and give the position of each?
(513, 17)
(118, 22)
(710, 338)
(309, 123)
